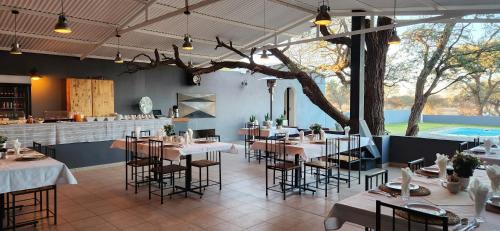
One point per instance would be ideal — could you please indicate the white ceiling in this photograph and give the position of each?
(242, 21)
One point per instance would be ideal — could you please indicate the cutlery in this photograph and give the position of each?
(381, 193)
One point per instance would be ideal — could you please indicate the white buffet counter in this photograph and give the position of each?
(78, 132)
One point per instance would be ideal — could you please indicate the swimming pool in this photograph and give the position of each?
(477, 132)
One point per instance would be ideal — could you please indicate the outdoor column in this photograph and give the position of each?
(357, 73)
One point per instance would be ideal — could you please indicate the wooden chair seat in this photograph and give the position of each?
(204, 163)
(171, 168)
(138, 162)
(283, 166)
(320, 164)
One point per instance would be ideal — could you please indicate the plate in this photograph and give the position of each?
(425, 208)
(397, 186)
(494, 201)
(430, 169)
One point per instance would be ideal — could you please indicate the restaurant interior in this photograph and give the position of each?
(189, 115)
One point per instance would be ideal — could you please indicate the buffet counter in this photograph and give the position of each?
(78, 132)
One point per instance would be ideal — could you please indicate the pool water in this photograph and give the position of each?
(472, 132)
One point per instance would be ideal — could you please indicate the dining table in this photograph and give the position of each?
(361, 208)
(268, 131)
(175, 152)
(20, 173)
(493, 157)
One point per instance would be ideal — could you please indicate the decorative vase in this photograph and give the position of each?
(279, 127)
(464, 182)
(4, 145)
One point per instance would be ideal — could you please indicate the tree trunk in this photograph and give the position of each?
(376, 53)
(415, 115)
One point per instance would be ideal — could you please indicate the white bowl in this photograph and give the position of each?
(90, 119)
(100, 119)
(110, 118)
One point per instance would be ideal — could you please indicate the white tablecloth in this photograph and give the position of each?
(267, 132)
(21, 175)
(492, 158)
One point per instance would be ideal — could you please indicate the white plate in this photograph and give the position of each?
(425, 208)
(430, 169)
(397, 186)
(494, 201)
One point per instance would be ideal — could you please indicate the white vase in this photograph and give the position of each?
(464, 182)
(279, 127)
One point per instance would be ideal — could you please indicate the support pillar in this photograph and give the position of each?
(357, 74)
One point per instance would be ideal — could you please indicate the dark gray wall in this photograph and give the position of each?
(403, 149)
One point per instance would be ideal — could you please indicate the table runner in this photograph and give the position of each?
(307, 150)
(21, 175)
(360, 208)
(173, 153)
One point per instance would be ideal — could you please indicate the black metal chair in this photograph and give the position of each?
(353, 155)
(19, 207)
(463, 146)
(138, 165)
(144, 133)
(161, 171)
(324, 167)
(381, 177)
(277, 160)
(213, 158)
(417, 164)
(423, 219)
(253, 134)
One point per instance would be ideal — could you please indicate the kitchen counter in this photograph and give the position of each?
(78, 132)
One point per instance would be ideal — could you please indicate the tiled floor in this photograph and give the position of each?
(100, 202)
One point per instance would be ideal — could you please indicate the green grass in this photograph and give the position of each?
(400, 128)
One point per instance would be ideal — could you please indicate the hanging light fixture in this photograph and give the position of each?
(323, 18)
(15, 48)
(34, 74)
(394, 39)
(188, 42)
(118, 58)
(264, 55)
(62, 25)
(264, 52)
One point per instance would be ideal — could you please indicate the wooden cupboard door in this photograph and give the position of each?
(103, 97)
(79, 96)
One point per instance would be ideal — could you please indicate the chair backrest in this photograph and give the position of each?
(130, 148)
(423, 219)
(354, 146)
(37, 147)
(476, 142)
(380, 177)
(463, 146)
(156, 152)
(213, 155)
(50, 151)
(275, 149)
(416, 164)
(143, 133)
(331, 154)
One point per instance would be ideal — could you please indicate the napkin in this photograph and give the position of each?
(287, 136)
(487, 145)
(17, 146)
(493, 172)
(186, 138)
(301, 136)
(137, 132)
(190, 133)
(322, 135)
(346, 130)
(479, 193)
(406, 175)
(442, 162)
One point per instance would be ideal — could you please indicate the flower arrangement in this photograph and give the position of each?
(279, 121)
(316, 128)
(464, 165)
(169, 129)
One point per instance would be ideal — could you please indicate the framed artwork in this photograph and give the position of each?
(196, 105)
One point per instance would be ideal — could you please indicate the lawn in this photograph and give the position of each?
(400, 128)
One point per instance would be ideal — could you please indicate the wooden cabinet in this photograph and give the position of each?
(90, 97)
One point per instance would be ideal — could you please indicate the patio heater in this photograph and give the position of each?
(271, 84)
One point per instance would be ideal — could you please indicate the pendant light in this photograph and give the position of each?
(15, 48)
(394, 39)
(118, 58)
(188, 42)
(323, 18)
(34, 74)
(62, 25)
(264, 52)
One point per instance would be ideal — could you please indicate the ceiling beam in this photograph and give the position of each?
(464, 20)
(266, 37)
(38, 36)
(366, 5)
(140, 49)
(431, 3)
(364, 31)
(172, 36)
(167, 16)
(124, 23)
(294, 6)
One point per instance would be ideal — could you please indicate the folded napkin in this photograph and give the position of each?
(442, 162)
(17, 147)
(186, 138)
(487, 145)
(346, 130)
(406, 175)
(493, 172)
(287, 136)
(137, 131)
(479, 194)
(190, 133)
(301, 136)
(322, 134)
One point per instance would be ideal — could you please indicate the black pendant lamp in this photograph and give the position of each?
(394, 39)
(118, 57)
(264, 55)
(264, 52)
(62, 25)
(323, 18)
(15, 48)
(188, 42)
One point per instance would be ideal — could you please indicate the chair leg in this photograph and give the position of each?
(267, 183)
(13, 212)
(199, 175)
(220, 176)
(47, 203)
(161, 187)
(55, 204)
(204, 188)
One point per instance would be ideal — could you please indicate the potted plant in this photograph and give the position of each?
(267, 120)
(316, 129)
(3, 141)
(253, 120)
(169, 131)
(464, 166)
(279, 122)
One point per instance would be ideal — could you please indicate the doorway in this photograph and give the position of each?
(289, 106)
